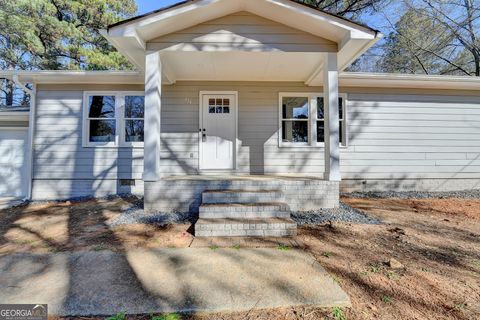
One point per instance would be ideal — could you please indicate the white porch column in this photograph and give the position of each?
(153, 107)
(332, 127)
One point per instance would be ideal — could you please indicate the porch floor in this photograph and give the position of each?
(292, 177)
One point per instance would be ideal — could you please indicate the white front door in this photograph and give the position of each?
(217, 131)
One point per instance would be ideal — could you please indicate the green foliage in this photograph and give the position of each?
(283, 248)
(387, 299)
(236, 247)
(171, 316)
(214, 247)
(60, 34)
(337, 314)
(118, 316)
(434, 37)
(393, 275)
(374, 267)
(405, 47)
(335, 278)
(327, 254)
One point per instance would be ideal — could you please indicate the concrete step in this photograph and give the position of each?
(244, 210)
(242, 196)
(271, 227)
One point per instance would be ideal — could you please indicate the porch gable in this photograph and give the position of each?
(242, 31)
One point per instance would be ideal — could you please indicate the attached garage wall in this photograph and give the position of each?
(13, 157)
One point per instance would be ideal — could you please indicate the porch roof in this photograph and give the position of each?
(131, 37)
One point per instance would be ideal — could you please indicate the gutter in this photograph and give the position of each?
(31, 126)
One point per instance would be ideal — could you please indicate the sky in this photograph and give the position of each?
(145, 6)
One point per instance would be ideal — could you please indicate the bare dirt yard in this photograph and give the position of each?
(433, 246)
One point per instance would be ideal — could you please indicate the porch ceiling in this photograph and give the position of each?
(242, 66)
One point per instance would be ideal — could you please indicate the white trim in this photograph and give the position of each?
(31, 141)
(200, 144)
(314, 74)
(119, 120)
(13, 128)
(411, 81)
(346, 79)
(311, 121)
(21, 85)
(72, 76)
(281, 95)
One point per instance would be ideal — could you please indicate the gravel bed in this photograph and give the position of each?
(135, 214)
(467, 194)
(132, 198)
(344, 213)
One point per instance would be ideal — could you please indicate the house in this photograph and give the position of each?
(240, 108)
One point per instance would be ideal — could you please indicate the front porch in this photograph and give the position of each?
(241, 88)
(241, 206)
(184, 193)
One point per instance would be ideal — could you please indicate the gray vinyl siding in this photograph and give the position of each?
(393, 137)
(242, 31)
(427, 135)
(62, 168)
(412, 136)
(258, 152)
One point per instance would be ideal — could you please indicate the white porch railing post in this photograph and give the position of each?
(332, 126)
(153, 107)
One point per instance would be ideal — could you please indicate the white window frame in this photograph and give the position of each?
(120, 119)
(280, 118)
(312, 119)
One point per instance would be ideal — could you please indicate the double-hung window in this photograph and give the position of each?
(302, 119)
(113, 119)
(321, 120)
(294, 119)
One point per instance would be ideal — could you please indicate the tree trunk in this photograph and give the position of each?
(10, 88)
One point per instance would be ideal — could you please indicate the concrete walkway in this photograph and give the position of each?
(167, 280)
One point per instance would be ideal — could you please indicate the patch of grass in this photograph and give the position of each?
(476, 262)
(424, 269)
(118, 316)
(327, 254)
(460, 306)
(170, 316)
(374, 267)
(214, 247)
(337, 314)
(236, 247)
(363, 273)
(23, 242)
(283, 248)
(50, 248)
(335, 278)
(393, 275)
(387, 299)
